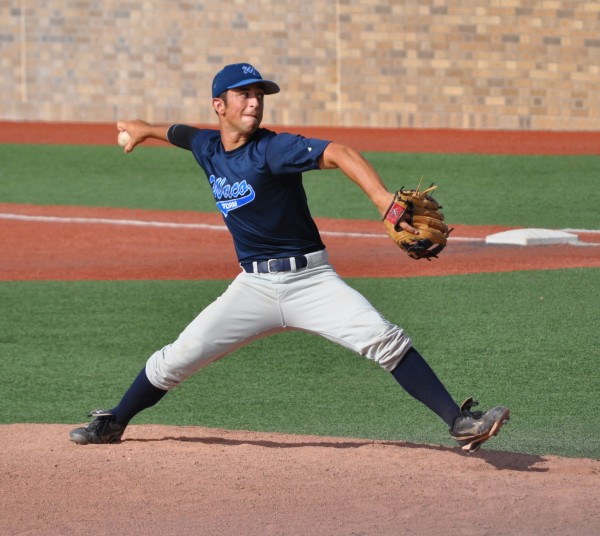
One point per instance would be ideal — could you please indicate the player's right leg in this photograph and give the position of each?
(108, 425)
(102, 429)
(246, 311)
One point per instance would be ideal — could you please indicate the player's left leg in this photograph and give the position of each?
(333, 309)
(328, 306)
(418, 379)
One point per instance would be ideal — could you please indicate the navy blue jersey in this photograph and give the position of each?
(258, 189)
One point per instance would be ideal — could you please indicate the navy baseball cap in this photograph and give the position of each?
(238, 75)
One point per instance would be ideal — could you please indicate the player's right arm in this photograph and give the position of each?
(139, 131)
(181, 135)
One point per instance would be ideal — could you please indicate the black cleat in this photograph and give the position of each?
(102, 429)
(473, 428)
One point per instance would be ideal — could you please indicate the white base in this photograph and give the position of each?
(531, 237)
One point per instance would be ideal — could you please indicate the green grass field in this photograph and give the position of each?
(476, 189)
(528, 340)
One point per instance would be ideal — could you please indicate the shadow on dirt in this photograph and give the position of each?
(512, 461)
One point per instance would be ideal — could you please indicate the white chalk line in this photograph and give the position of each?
(174, 225)
(209, 227)
(108, 221)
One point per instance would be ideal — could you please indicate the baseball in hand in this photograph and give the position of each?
(123, 138)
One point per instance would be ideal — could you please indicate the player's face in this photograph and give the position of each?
(244, 108)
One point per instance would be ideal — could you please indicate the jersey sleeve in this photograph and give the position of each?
(292, 153)
(182, 135)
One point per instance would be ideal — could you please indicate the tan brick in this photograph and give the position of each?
(404, 63)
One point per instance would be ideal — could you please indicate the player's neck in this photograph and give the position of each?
(234, 138)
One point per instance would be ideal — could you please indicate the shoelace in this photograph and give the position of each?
(99, 425)
(473, 414)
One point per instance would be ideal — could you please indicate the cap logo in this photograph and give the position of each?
(248, 69)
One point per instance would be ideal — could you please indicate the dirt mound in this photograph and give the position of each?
(191, 480)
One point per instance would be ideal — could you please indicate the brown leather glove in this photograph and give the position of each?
(424, 213)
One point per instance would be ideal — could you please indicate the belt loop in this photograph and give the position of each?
(293, 264)
(254, 267)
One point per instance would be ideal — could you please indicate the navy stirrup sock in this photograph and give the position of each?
(416, 377)
(141, 395)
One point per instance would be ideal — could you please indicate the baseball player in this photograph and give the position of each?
(286, 281)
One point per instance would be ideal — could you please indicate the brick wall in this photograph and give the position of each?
(495, 64)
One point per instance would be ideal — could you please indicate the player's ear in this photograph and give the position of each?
(218, 105)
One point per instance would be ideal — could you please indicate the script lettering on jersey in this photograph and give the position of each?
(231, 196)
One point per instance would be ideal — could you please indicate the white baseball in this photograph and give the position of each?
(123, 138)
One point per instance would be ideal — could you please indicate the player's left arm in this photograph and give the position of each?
(360, 171)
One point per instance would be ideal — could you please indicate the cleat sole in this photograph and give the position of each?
(474, 444)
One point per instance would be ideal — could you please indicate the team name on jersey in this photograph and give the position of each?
(231, 196)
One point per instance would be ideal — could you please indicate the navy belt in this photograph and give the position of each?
(290, 264)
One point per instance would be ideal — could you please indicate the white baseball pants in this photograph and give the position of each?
(314, 299)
